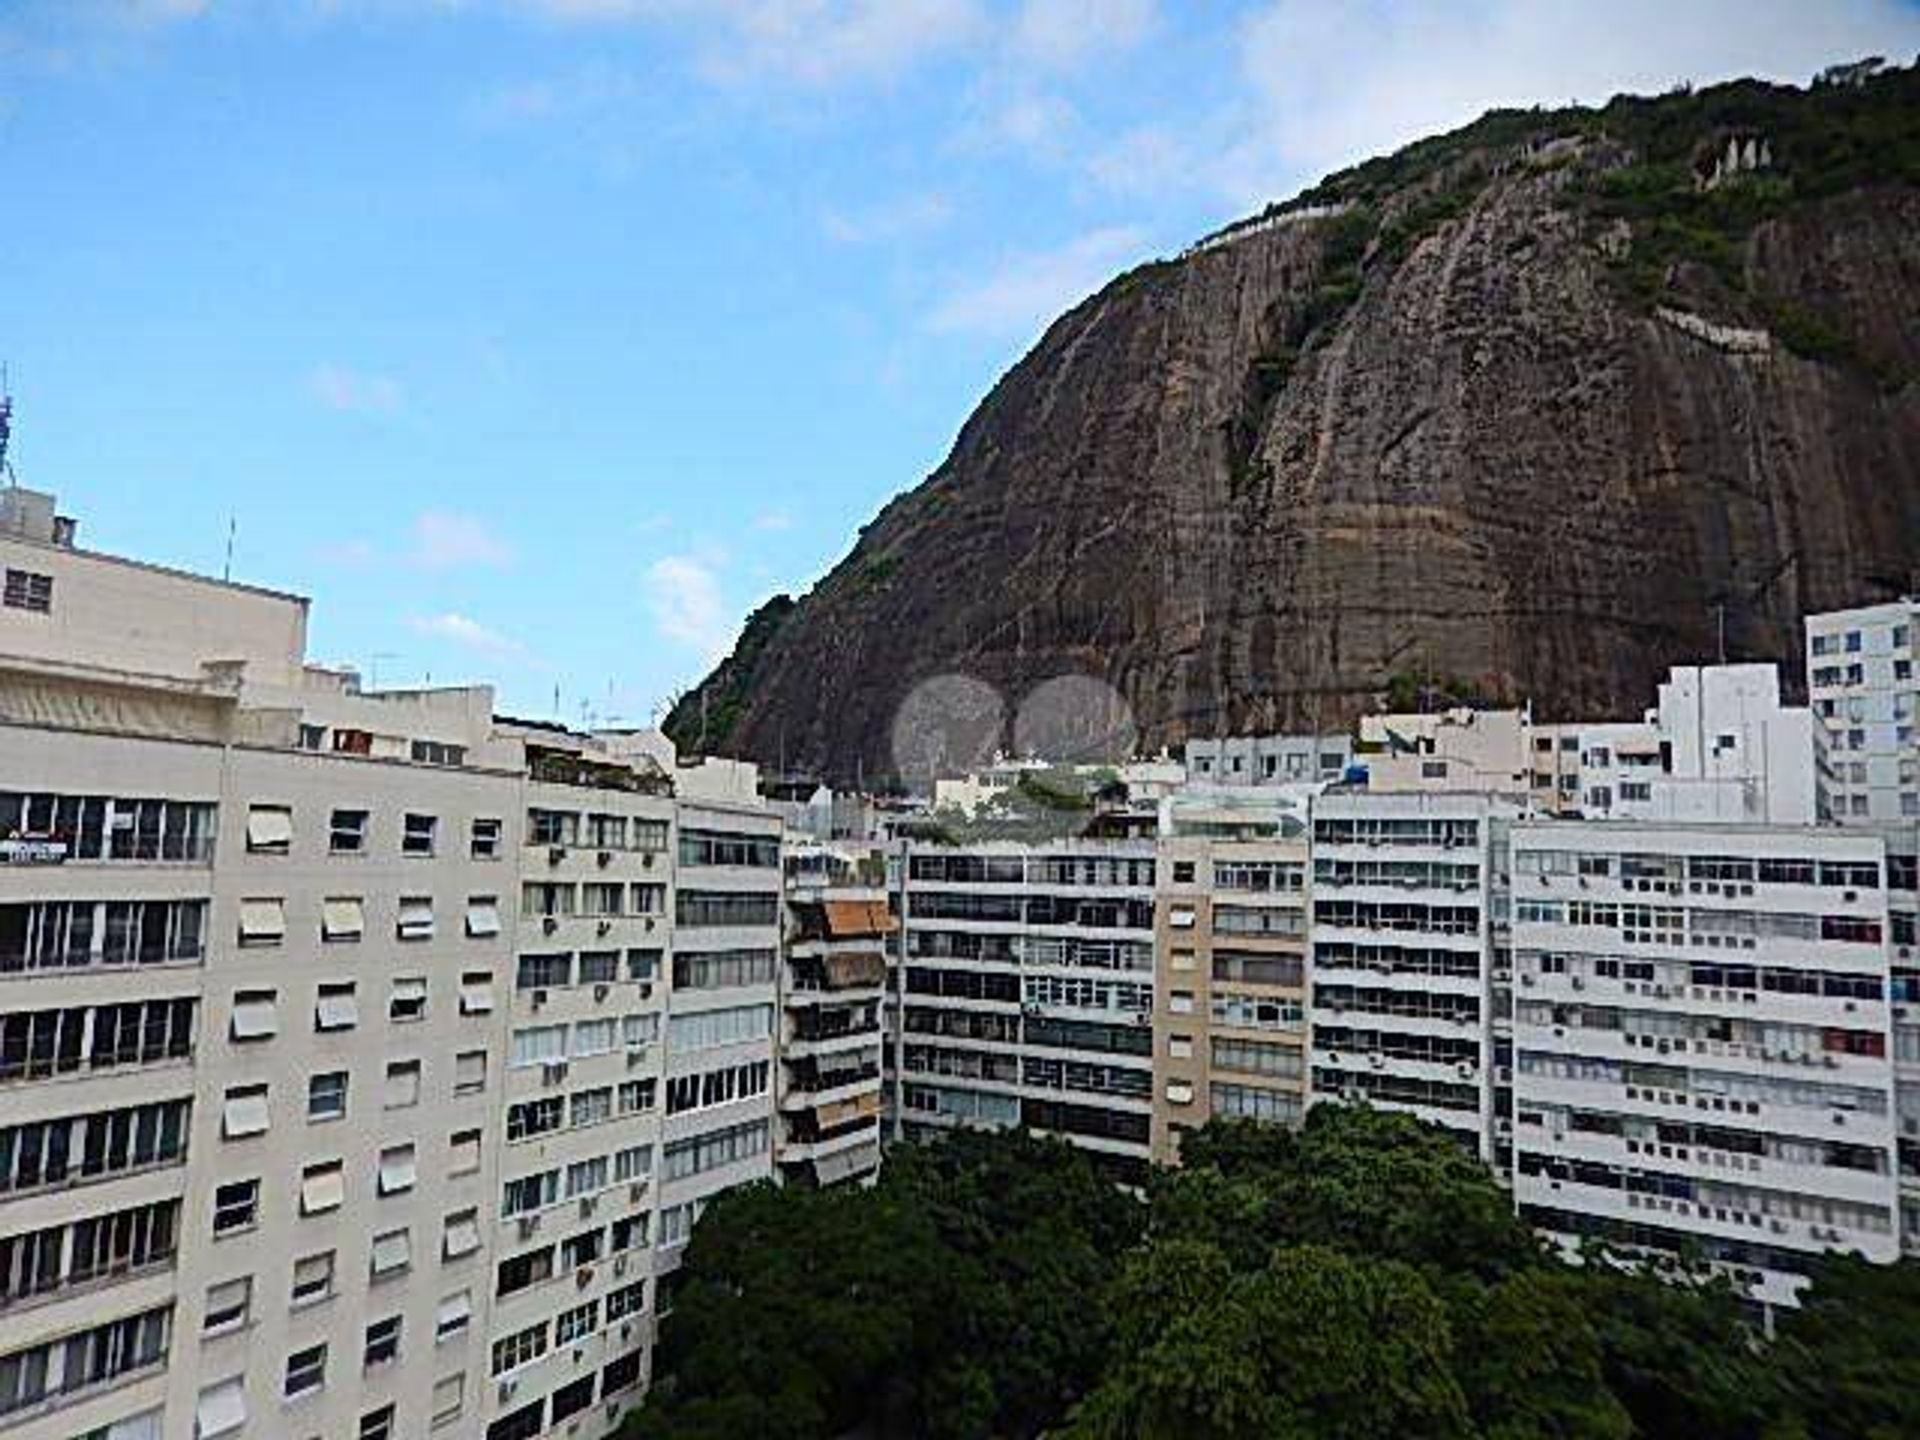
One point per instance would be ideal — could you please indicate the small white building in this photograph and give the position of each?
(1864, 694)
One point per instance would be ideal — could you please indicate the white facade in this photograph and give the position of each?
(1269, 759)
(1701, 1037)
(322, 1013)
(1864, 693)
(1406, 930)
(1027, 991)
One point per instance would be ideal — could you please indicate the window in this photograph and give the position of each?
(463, 1152)
(306, 1371)
(377, 1424)
(220, 1410)
(714, 1149)
(460, 1236)
(28, 590)
(254, 1016)
(537, 1045)
(335, 1007)
(448, 1400)
(263, 921)
(352, 742)
(392, 1254)
(635, 1096)
(590, 1107)
(323, 1187)
(402, 1089)
(408, 1000)
(543, 972)
(236, 1206)
(398, 1170)
(343, 919)
(227, 1305)
(570, 1399)
(627, 1300)
(436, 752)
(577, 1323)
(476, 993)
(521, 1348)
(269, 829)
(470, 1072)
(1183, 872)
(594, 1037)
(483, 916)
(327, 1096)
(485, 844)
(599, 967)
(733, 1026)
(415, 918)
(417, 833)
(312, 1278)
(552, 827)
(452, 1316)
(347, 832)
(383, 1342)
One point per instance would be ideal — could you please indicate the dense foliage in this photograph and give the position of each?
(1361, 1279)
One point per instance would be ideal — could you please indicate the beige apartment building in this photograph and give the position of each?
(1230, 931)
(351, 1081)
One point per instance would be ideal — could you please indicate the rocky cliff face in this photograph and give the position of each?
(1527, 412)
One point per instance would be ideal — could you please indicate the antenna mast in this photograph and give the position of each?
(6, 426)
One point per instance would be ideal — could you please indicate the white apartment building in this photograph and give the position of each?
(1408, 938)
(579, 1114)
(1028, 992)
(835, 977)
(1269, 759)
(1457, 749)
(279, 1154)
(1903, 920)
(1701, 1035)
(1864, 693)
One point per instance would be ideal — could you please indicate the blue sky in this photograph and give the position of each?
(538, 340)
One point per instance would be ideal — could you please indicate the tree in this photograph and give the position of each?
(1530, 1360)
(1318, 1345)
(1849, 1358)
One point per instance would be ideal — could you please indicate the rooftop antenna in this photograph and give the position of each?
(6, 425)
(233, 524)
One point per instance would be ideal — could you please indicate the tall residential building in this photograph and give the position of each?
(1028, 991)
(313, 1126)
(1864, 693)
(578, 1120)
(1718, 746)
(1701, 1036)
(1408, 942)
(834, 987)
(1903, 920)
(1229, 1021)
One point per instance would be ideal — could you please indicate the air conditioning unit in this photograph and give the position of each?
(587, 1206)
(605, 858)
(643, 989)
(651, 922)
(636, 1056)
(539, 999)
(556, 853)
(529, 1226)
(619, 1265)
(646, 861)
(637, 1191)
(599, 992)
(583, 1277)
(603, 927)
(626, 1330)
(553, 1072)
(549, 924)
(508, 1389)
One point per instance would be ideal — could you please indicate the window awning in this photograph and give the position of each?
(483, 918)
(856, 968)
(254, 1019)
(416, 920)
(463, 1237)
(844, 1164)
(338, 1011)
(476, 995)
(343, 918)
(398, 1171)
(269, 827)
(222, 1409)
(245, 1114)
(263, 919)
(454, 1311)
(411, 989)
(392, 1252)
(1179, 1092)
(852, 919)
(322, 1190)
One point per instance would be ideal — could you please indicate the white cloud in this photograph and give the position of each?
(444, 540)
(354, 391)
(891, 220)
(348, 554)
(773, 520)
(469, 634)
(683, 595)
(1146, 161)
(1027, 291)
(1065, 34)
(1328, 86)
(808, 42)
